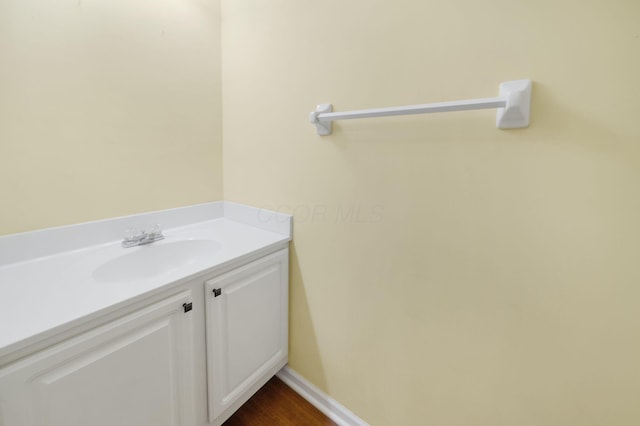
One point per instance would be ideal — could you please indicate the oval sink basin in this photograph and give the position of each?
(155, 259)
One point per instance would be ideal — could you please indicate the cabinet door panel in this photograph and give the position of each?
(134, 371)
(250, 323)
(247, 328)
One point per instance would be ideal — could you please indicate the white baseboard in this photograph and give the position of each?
(323, 402)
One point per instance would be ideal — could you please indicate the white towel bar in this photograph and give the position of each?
(513, 105)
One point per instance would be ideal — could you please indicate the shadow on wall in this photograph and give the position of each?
(301, 328)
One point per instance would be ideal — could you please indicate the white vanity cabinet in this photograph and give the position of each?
(133, 371)
(93, 334)
(167, 362)
(247, 331)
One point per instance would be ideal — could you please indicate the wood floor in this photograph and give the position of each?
(276, 404)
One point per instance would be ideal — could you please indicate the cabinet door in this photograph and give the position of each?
(135, 371)
(247, 330)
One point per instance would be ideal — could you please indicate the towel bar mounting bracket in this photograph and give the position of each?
(324, 127)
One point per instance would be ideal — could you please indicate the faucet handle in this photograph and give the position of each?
(131, 234)
(155, 230)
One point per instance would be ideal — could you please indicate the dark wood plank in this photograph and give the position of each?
(276, 404)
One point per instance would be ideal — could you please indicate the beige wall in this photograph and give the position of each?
(107, 108)
(446, 272)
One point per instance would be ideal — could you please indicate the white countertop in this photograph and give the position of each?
(45, 295)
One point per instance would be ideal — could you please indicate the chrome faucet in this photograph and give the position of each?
(134, 237)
